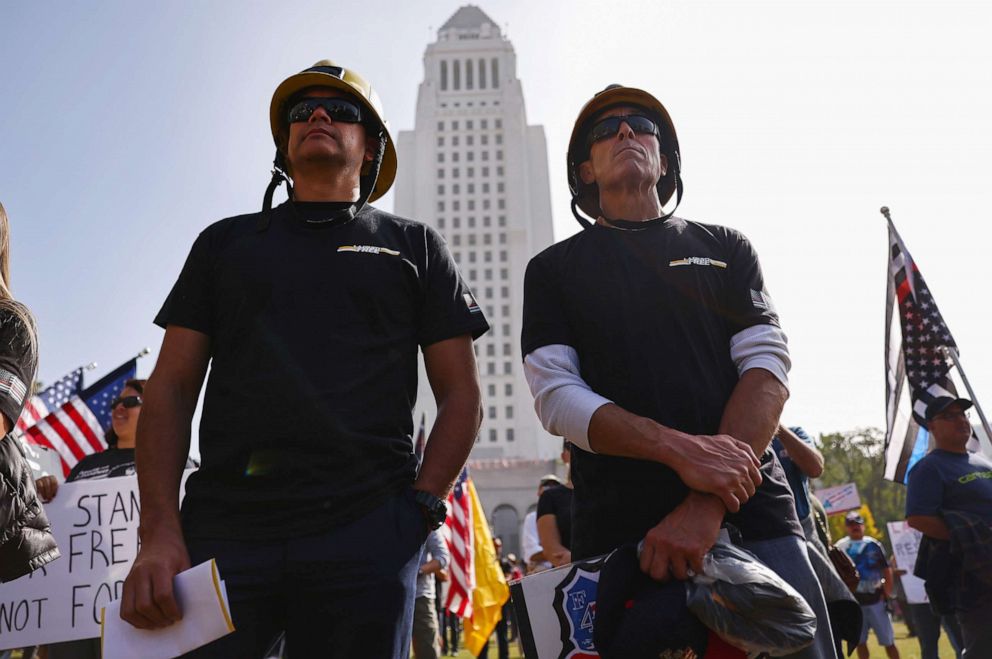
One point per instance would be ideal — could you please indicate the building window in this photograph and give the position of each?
(454, 172)
(484, 123)
(506, 330)
(504, 273)
(440, 206)
(454, 157)
(509, 434)
(499, 154)
(501, 204)
(486, 220)
(471, 222)
(502, 239)
(471, 257)
(507, 350)
(485, 171)
(492, 411)
(469, 74)
(499, 170)
(471, 172)
(509, 411)
(455, 205)
(454, 140)
(482, 74)
(468, 124)
(490, 368)
(455, 222)
(483, 139)
(471, 274)
(456, 240)
(440, 223)
(440, 140)
(499, 123)
(440, 188)
(469, 140)
(502, 256)
(508, 389)
(499, 138)
(470, 156)
(440, 124)
(488, 256)
(495, 73)
(457, 256)
(492, 390)
(492, 434)
(454, 125)
(471, 204)
(444, 76)
(485, 155)
(457, 74)
(504, 292)
(456, 189)
(500, 187)
(487, 239)
(440, 172)
(440, 156)
(490, 349)
(485, 204)
(488, 274)
(505, 309)
(502, 220)
(471, 239)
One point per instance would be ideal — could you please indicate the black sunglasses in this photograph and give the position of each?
(610, 126)
(338, 109)
(127, 401)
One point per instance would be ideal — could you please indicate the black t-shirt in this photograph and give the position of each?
(651, 313)
(557, 501)
(18, 363)
(111, 463)
(314, 329)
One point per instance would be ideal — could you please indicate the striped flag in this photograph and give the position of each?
(916, 367)
(76, 428)
(458, 533)
(52, 398)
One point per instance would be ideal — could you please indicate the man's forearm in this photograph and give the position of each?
(161, 451)
(807, 458)
(752, 413)
(615, 431)
(459, 416)
(930, 525)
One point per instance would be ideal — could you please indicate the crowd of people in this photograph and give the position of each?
(651, 345)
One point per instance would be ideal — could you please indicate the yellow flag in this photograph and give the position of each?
(491, 591)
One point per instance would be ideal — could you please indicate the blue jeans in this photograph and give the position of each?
(789, 558)
(347, 592)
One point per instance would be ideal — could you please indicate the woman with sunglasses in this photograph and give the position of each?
(118, 459)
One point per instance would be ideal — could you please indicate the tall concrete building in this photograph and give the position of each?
(476, 171)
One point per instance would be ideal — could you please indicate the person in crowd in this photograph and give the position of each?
(949, 500)
(533, 552)
(310, 317)
(26, 540)
(435, 558)
(801, 461)
(554, 517)
(874, 586)
(651, 343)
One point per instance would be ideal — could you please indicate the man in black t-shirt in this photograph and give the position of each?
(310, 316)
(652, 345)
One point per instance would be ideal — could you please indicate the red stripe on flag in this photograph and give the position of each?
(56, 424)
(83, 425)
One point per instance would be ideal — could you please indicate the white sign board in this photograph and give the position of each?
(556, 610)
(905, 546)
(840, 498)
(96, 527)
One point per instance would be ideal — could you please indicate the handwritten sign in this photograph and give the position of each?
(905, 545)
(840, 498)
(96, 526)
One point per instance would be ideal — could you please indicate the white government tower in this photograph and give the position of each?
(474, 170)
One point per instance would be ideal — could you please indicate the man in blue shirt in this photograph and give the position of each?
(952, 481)
(875, 586)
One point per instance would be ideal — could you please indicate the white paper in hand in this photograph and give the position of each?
(202, 599)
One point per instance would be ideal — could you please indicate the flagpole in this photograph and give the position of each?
(974, 400)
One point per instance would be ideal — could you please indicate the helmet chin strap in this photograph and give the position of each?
(367, 186)
(584, 219)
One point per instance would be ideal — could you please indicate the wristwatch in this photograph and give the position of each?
(434, 508)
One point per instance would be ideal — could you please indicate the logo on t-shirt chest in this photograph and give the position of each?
(697, 260)
(368, 249)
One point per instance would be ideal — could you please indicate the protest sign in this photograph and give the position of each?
(905, 545)
(95, 523)
(556, 610)
(840, 498)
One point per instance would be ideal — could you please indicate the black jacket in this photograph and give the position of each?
(26, 541)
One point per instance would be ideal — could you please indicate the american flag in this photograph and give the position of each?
(50, 399)
(76, 428)
(457, 532)
(916, 366)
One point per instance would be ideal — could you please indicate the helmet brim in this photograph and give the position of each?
(294, 84)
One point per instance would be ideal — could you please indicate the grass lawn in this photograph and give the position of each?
(908, 646)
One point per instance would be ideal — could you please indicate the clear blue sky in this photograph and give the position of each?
(128, 127)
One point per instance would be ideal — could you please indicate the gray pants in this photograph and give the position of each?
(976, 631)
(425, 637)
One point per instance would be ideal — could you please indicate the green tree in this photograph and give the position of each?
(858, 456)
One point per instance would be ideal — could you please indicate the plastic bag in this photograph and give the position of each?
(748, 605)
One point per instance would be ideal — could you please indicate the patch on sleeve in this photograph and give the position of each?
(761, 300)
(470, 302)
(11, 385)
